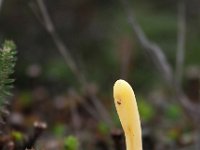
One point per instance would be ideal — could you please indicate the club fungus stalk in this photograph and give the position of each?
(127, 110)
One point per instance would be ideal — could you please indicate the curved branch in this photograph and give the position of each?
(64, 51)
(160, 61)
(153, 50)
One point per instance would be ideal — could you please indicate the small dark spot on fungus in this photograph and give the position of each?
(119, 102)
(130, 131)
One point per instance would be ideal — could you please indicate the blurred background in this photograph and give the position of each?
(69, 54)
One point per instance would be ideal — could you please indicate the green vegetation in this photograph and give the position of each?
(18, 136)
(71, 143)
(7, 63)
(147, 112)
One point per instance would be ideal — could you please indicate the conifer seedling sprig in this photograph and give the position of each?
(7, 64)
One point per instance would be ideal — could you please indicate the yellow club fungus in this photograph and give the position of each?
(127, 110)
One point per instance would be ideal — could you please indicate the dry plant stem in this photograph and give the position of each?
(197, 139)
(181, 36)
(118, 139)
(151, 48)
(59, 43)
(39, 127)
(76, 121)
(49, 26)
(192, 110)
(159, 59)
(101, 109)
(90, 110)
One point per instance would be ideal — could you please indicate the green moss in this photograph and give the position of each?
(18, 136)
(71, 143)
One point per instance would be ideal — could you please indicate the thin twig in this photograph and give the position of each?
(151, 48)
(104, 113)
(49, 26)
(64, 51)
(39, 128)
(76, 120)
(159, 59)
(192, 109)
(197, 139)
(181, 36)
